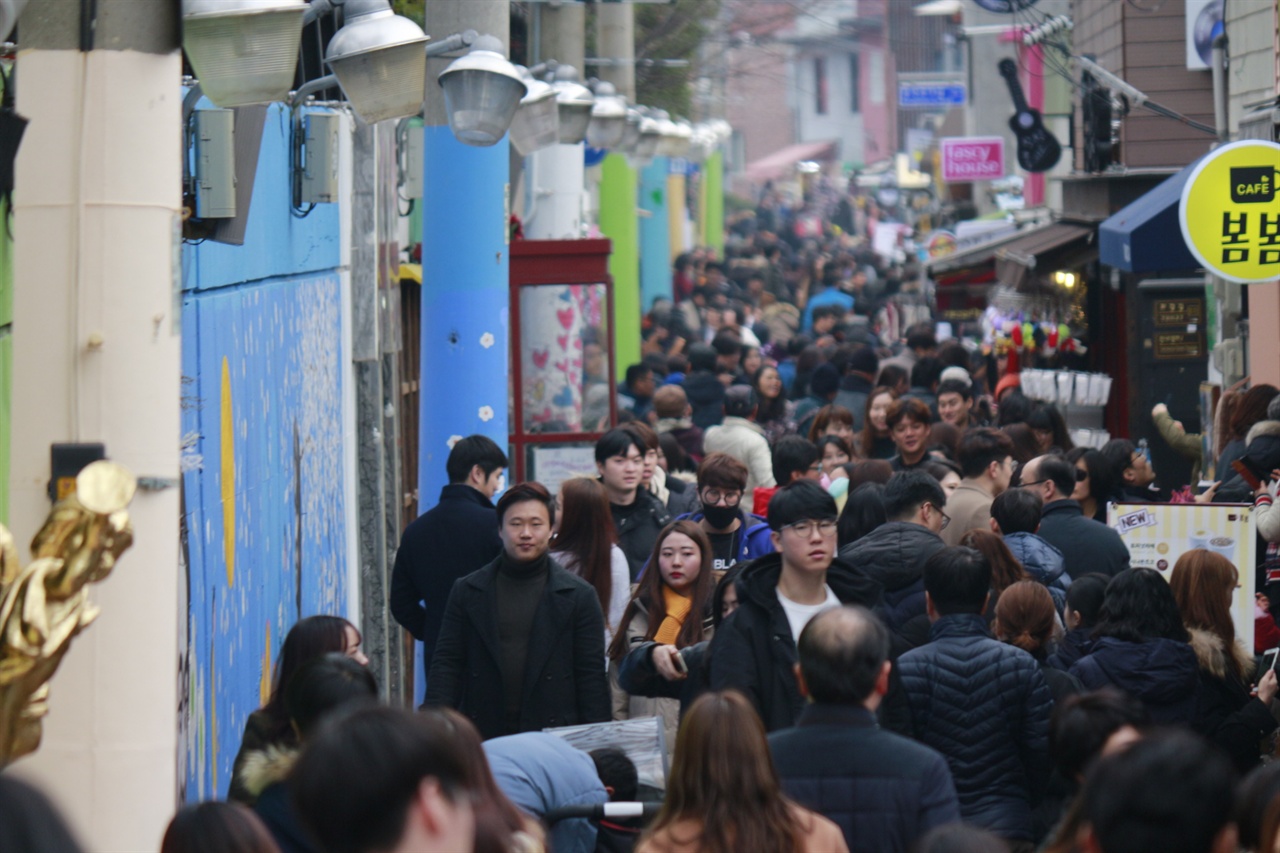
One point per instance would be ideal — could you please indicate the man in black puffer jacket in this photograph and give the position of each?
(894, 553)
(754, 650)
(983, 704)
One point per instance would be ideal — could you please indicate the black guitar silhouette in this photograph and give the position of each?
(1038, 149)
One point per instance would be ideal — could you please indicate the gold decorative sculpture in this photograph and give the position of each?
(43, 606)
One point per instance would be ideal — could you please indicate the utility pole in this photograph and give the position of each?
(616, 43)
(556, 179)
(465, 268)
(97, 358)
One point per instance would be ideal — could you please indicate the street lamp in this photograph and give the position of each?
(608, 123)
(380, 61)
(243, 51)
(575, 102)
(537, 122)
(631, 135)
(482, 91)
(650, 137)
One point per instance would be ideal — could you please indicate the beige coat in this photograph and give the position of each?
(743, 440)
(969, 507)
(818, 835)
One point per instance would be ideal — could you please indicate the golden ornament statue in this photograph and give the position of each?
(43, 606)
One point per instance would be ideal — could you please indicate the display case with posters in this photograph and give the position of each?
(563, 387)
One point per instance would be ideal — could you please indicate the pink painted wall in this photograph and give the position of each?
(1264, 333)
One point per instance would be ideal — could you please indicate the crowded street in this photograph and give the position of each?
(669, 426)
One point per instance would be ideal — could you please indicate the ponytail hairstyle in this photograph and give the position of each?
(1025, 617)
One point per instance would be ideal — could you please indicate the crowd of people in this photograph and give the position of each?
(865, 586)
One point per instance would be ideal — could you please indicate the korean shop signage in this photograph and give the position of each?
(1230, 214)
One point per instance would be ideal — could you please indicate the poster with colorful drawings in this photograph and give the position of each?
(560, 328)
(1158, 534)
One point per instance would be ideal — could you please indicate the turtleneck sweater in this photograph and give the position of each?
(519, 590)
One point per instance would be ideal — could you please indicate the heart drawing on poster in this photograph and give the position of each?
(565, 316)
(563, 341)
(540, 358)
(565, 398)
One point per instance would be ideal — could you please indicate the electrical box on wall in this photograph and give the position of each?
(68, 460)
(319, 182)
(215, 164)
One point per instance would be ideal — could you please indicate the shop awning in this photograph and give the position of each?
(1053, 246)
(972, 255)
(1145, 235)
(778, 163)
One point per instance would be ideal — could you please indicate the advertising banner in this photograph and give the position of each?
(1228, 212)
(1158, 534)
(972, 158)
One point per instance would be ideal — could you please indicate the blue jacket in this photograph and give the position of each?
(540, 772)
(752, 538)
(894, 554)
(829, 296)
(1162, 674)
(1043, 562)
(883, 790)
(985, 706)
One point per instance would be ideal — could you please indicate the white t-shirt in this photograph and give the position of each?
(800, 614)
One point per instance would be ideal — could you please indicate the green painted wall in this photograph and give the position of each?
(713, 181)
(619, 223)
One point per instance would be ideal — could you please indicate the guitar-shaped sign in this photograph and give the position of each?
(1038, 149)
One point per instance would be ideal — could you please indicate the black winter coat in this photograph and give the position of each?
(449, 541)
(1226, 713)
(639, 530)
(1160, 673)
(894, 554)
(706, 397)
(1073, 645)
(1086, 545)
(564, 682)
(753, 650)
(985, 706)
(883, 790)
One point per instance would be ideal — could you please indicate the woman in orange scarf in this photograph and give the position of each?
(670, 607)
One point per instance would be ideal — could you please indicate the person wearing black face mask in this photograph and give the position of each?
(736, 535)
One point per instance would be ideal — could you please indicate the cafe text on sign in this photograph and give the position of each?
(972, 158)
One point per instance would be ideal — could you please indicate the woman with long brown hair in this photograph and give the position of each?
(1203, 584)
(585, 544)
(1005, 568)
(874, 441)
(723, 794)
(670, 607)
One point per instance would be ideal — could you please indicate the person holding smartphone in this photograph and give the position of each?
(669, 612)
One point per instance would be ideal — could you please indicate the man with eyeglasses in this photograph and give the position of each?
(754, 650)
(894, 553)
(1086, 545)
(735, 534)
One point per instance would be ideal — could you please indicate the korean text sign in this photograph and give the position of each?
(1228, 211)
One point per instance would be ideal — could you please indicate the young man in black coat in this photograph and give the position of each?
(638, 514)
(883, 790)
(982, 703)
(452, 539)
(522, 644)
(754, 650)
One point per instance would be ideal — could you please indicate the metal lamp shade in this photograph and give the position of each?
(380, 61)
(480, 104)
(608, 123)
(650, 137)
(537, 122)
(243, 53)
(631, 135)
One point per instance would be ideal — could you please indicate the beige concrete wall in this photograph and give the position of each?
(97, 358)
(1251, 31)
(1264, 333)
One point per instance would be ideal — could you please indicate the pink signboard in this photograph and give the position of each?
(972, 158)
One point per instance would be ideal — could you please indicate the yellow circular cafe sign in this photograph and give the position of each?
(1230, 211)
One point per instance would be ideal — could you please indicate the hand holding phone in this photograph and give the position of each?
(1269, 660)
(669, 663)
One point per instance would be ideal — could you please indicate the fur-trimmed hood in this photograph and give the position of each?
(1262, 428)
(1209, 651)
(265, 768)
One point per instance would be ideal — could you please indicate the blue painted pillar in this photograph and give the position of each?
(465, 276)
(655, 234)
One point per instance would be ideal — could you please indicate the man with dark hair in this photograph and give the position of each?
(452, 539)
(825, 320)
(883, 790)
(522, 644)
(728, 347)
(1015, 515)
(385, 780)
(861, 367)
(794, 458)
(908, 420)
(622, 783)
(830, 297)
(824, 384)
(986, 463)
(735, 535)
(703, 388)
(921, 341)
(754, 650)
(895, 552)
(955, 403)
(1086, 545)
(742, 438)
(671, 405)
(638, 514)
(1171, 791)
(982, 703)
(636, 395)
(1131, 468)
(925, 375)
(1082, 725)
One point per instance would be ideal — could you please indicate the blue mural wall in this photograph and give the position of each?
(264, 486)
